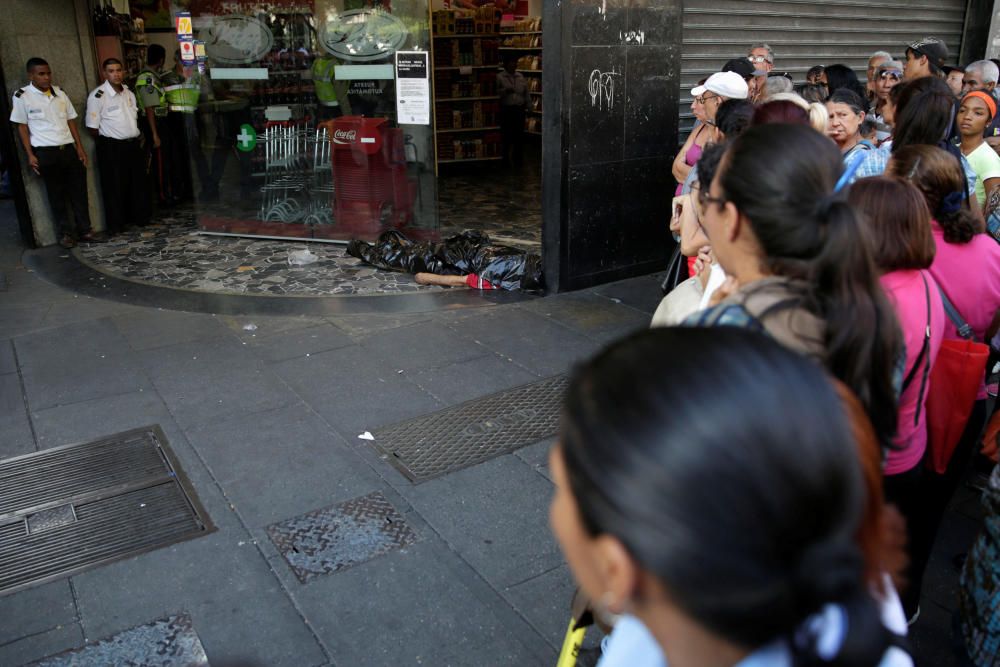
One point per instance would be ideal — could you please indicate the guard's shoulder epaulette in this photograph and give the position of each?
(20, 91)
(98, 93)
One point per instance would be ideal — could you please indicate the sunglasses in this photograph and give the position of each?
(758, 59)
(895, 74)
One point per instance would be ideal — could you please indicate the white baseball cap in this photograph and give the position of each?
(726, 84)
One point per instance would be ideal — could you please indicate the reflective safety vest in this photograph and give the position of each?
(322, 73)
(184, 96)
(148, 82)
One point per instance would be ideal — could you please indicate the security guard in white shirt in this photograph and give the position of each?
(113, 117)
(44, 116)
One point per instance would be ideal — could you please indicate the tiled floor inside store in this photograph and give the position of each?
(503, 201)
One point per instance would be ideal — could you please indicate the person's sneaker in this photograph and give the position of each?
(93, 237)
(67, 242)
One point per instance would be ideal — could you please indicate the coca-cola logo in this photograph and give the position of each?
(345, 136)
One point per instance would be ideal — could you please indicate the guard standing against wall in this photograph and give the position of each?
(113, 117)
(44, 117)
(153, 122)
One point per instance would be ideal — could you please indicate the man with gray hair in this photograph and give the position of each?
(761, 56)
(980, 75)
(874, 61)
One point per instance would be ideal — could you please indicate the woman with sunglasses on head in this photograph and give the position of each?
(887, 74)
(966, 266)
(790, 245)
(734, 538)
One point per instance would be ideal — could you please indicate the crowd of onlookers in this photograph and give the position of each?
(760, 478)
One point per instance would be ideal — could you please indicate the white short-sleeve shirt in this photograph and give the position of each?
(111, 113)
(47, 115)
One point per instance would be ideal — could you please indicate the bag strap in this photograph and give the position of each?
(964, 330)
(923, 353)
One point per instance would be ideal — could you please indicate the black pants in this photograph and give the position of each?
(65, 177)
(185, 148)
(123, 183)
(512, 130)
(922, 497)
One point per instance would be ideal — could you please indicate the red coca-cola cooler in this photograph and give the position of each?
(371, 191)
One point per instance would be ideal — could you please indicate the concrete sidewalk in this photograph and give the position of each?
(265, 424)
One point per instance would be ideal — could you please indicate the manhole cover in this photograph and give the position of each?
(168, 642)
(338, 537)
(66, 509)
(475, 431)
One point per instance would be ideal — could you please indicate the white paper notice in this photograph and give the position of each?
(413, 90)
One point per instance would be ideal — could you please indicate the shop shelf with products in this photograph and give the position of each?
(465, 52)
(119, 36)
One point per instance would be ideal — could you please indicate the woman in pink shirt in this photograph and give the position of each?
(967, 268)
(898, 226)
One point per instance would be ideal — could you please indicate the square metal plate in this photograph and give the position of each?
(168, 642)
(335, 538)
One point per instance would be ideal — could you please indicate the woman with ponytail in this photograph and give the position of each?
(798, 267)
(729, 537)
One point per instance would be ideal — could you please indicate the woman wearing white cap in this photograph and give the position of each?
(720, 87)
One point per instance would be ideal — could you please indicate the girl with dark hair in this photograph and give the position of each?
(967, 268)
(732, 537)
(924, 114)
(974, 115)
(839, 77)
(898, 225)
(797, 271)
(847, 113)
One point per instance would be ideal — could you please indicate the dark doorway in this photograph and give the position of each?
(12, 164)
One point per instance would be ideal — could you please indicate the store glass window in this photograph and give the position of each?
(289, 127)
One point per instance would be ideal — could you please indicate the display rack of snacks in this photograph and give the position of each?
(523, 38)
(119, 36)
(466, 52)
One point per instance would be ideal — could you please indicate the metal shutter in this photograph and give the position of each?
(804, 34)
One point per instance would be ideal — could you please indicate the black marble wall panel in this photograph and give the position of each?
(610, 135)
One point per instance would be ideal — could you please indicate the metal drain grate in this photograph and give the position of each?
(168, 642)
(66, 509)
(335, 538)
(475, 431)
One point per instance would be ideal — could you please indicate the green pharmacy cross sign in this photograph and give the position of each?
(246, 140)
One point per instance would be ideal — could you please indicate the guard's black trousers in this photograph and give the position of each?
(65, 178)
(123, 183)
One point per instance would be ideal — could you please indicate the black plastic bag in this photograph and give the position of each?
(469, 252)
